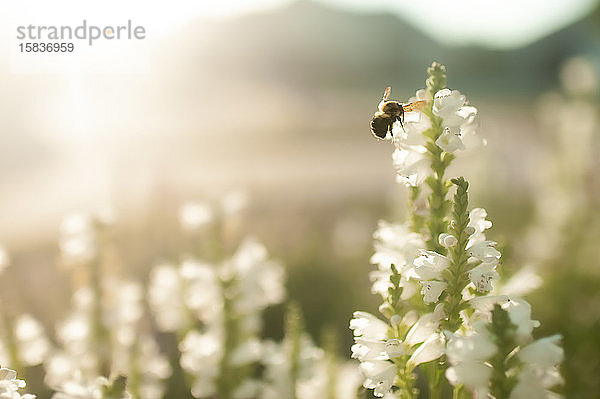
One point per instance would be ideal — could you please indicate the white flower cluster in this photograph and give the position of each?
(459, 122)
(377, 352)
(10, 385)
(198, 299)
(95, 389)
(279, 372)
(428, 268)
(536, 371)
(444, 249)
(89, 344)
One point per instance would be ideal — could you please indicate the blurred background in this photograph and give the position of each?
(273, 99)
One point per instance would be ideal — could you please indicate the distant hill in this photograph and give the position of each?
(309, 44)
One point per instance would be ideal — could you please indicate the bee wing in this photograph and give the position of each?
(386, 93)
(415, 106)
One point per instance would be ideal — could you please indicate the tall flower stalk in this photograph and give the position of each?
(442, 253)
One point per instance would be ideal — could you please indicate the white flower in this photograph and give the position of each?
(485, 304)
(429, 265)
(484, 251)
(431, 349)
(449, 141)
(79, 389)
(395, 244)
(468, 356)
(260, 281)
(478, 346)
(533, 384)
(201, 354)
(367, 326)
(459, 121)
(10, 385)
(543, 353)
(475, 375)
(446, 104)
(4, 259)
(519, 312)
(415, 123)
(482, 276)
(78, 242)
(477, 220)
(33, 345)
(248, 352)
(522, 282)
(193, 216)
(166, 298)
(202, 291)
(411, 164)
(278, 368)
(379, 376)
(426, 326)
(381, 283)
(432, 290)
(368, 349)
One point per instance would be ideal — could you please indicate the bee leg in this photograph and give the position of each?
(400, 119)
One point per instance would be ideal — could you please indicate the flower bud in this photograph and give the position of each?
(385, 309)
(447, 240)
(395, 320)
(470, 230)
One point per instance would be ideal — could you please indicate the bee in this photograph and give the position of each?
(390, 111)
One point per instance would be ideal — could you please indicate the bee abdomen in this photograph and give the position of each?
(381, 124)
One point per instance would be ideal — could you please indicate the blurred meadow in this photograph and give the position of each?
(269, 109)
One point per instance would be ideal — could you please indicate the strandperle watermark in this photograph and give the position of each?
(90, 33)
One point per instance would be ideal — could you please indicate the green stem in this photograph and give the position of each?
(416, 221)
(502, 331)
(439, 206)
(228, 376)
(455, 275)
(294, 329)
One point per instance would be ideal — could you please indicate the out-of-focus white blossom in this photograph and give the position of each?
(259, 279)
(80, 389)
(467, 355)
(278, 372)
(234, 202)
(544, 352)
(201, 354)
(166, 299)
(4, 260)
(394, 245)
(519, 312)
(522, 282)
(33, 345)
(195, 215)
(78, 241)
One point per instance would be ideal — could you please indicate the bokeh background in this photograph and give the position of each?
(273, 99)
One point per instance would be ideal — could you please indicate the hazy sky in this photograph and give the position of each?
(497, 23)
